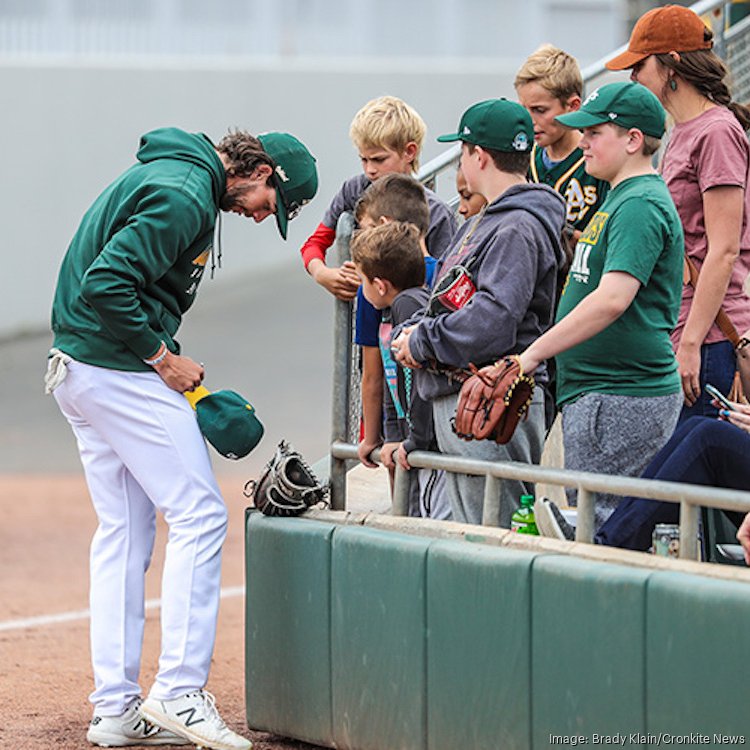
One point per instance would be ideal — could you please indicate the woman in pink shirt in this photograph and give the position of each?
(706, 166)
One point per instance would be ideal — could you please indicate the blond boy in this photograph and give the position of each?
(617, 381)
(388, 136)
(549, 84)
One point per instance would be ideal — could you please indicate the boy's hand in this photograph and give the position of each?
(341, 282)
(401, 351)
(403, 457)
(364, 449)
(387, 454)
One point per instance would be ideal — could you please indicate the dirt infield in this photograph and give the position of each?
(46, 676)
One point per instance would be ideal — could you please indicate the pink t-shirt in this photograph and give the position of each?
(710, 150)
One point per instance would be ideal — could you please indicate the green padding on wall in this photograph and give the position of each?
(698, 657)
(478, 647)
(378, 627)
(588, 654)
(288, 677)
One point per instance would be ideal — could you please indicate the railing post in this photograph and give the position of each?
(491, 505)
(342, 356)
(688, 531)
(400, 502)
(585, 515)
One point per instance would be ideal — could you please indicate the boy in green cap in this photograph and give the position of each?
(618, 386)
(504, 298)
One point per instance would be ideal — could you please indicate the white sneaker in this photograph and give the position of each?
(194, 716)
(129, 728)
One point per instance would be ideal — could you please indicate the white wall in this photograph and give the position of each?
(68, 130)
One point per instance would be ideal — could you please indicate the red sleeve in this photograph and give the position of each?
(317, 244)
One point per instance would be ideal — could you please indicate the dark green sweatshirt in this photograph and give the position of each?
(134, 265)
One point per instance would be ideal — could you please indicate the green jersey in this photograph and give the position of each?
(636, 231)
(583, 193)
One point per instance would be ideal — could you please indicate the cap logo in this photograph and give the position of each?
(521, 142)
(281, 173)
(466, 130)
(612, 115)
(591, 97)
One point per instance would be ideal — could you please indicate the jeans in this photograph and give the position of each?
(718, 365)
(701, 451)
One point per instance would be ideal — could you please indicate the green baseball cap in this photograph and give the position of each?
(627, 104)
(226, 420)
(295, 175)
(498, 124)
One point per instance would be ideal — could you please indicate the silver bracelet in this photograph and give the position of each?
(159, 357)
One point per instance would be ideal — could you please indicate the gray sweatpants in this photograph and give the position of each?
(610, 434)
(466, 493)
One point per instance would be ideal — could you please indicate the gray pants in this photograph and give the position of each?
(466, 493)
(610, 434)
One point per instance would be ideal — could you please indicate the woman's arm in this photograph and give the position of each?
(722, 209)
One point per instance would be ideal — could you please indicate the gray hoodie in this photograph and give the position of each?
(519, 247)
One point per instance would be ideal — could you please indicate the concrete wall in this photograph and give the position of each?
(69, 129)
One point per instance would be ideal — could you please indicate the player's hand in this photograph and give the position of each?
(364, 449)
(401, 352)
(387, 454)
(180, 373)
(341, 282)
(689, 367)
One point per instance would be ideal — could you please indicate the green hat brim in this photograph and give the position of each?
(580, 119)
(450, 137)
(282, 217)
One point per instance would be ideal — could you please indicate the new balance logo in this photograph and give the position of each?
(191, 720)
(147, 727)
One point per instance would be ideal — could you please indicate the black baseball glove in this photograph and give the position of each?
(287, 485)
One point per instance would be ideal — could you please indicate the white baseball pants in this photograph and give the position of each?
(142, 451)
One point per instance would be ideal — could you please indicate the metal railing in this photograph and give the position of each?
(734, 43)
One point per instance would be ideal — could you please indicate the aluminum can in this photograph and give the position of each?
(666, 540)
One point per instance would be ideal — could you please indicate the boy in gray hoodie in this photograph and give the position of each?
(505, 264)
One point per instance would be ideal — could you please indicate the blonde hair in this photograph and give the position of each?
(388, 122)
(554, 70)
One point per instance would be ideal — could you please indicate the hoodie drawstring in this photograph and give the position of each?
(216, 256)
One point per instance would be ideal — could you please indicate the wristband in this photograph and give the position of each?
(162, 353)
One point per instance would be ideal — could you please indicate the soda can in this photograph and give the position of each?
(666, 540)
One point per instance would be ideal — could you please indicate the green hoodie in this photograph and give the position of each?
(134, 265)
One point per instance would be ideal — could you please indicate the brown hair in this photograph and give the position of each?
(244, 153)
(704, 70)
(392, 252)
(513, 162)
(398, 197)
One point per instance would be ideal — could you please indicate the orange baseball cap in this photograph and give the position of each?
(671, 28)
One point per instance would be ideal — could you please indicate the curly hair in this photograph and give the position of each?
(244, 153)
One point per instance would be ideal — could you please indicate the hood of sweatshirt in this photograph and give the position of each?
(197, 149)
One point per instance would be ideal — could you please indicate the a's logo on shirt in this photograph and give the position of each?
(594, 228)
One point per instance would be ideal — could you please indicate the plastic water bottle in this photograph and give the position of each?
(523, 521)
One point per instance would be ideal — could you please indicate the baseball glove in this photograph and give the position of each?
(492, 401)
(287, 485)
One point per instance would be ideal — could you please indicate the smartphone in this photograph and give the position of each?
(720, 397)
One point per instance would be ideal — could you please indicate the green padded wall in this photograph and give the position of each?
(378, 653)
(698, 656)
(287, 648)
(588, 653)
(478, 647)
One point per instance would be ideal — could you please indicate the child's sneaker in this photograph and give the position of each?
(129, 728)
(194, 716)
(551, 522)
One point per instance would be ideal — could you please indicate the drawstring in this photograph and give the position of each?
(216, 257)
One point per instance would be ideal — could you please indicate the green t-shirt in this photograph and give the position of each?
(637, 231)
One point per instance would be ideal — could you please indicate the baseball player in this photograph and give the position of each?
(131, 271)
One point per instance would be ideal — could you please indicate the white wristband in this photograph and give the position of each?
(161, 354)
